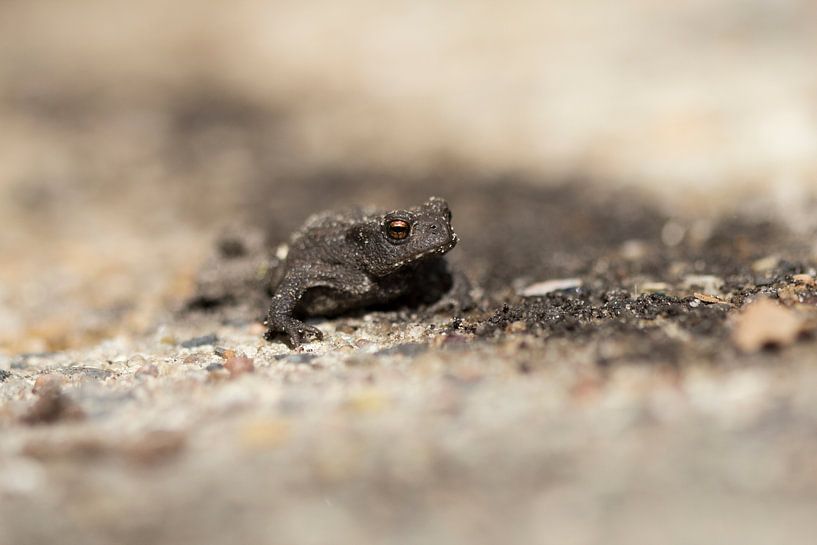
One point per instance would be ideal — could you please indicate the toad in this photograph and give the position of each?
(345, 260)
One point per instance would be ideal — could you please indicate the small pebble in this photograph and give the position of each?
(296, 358)
(51, 406)
(549, 286)
(764, 323)
(239, 365)
(199, 341)
(45, 382)
(223, 352)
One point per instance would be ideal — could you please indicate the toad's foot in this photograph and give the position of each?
(295, 331)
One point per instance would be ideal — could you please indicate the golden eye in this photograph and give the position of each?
(398, 229)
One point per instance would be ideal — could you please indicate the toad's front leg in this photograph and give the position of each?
(280, 319)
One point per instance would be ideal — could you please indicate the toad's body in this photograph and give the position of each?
(344, 260)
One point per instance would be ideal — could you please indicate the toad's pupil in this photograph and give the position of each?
(398, 229)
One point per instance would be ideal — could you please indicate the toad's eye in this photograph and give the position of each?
(398, 229)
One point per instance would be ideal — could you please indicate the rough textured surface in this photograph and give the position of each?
(644, 172)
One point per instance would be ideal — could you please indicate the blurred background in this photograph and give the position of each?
(129, 132)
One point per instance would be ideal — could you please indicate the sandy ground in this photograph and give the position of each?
(661, 160)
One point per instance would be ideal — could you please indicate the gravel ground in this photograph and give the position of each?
(633, 187)
(640, 401)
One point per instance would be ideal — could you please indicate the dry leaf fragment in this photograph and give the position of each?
(711, 299)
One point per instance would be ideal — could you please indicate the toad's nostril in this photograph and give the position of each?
(433, 227)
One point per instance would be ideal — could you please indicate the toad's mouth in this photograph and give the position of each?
(437, 250)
